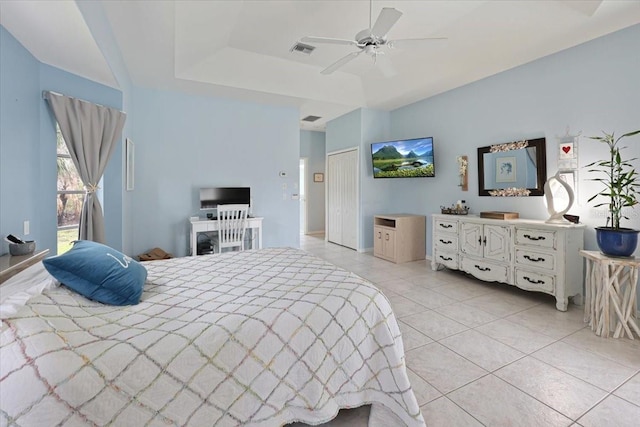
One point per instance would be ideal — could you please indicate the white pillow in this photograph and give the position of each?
(15, 292)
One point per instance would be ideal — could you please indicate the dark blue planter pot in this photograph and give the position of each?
(621, 242)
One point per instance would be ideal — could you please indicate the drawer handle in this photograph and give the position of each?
(533, 260)
(448, 242)
(445, 258)
(446, 225)
(528, 236)
(482, 269)
(535, 282)
(387, 236)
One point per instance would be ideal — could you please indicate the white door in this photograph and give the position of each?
(342, 198)
(334, 218)
(303, 195)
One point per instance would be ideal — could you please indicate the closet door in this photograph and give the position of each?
(334, 219)
(349, 202)
(342, 198)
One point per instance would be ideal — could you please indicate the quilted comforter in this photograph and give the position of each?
(256, 338)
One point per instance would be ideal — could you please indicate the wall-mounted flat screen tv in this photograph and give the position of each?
(210, 198)
(405, 158)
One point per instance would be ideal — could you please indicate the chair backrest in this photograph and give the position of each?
(232, 224)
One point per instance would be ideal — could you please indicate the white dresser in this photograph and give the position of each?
(529, 254)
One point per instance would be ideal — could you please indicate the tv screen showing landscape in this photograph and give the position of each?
(408, 158)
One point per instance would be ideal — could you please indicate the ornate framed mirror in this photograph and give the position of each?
(513, 169)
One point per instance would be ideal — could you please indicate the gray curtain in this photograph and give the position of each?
(91, 132)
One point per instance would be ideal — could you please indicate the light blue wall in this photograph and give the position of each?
(19, 142)
(28, 146)
(344, 132)
(375, 128)
(313, 147)
(184, 142)
(118, 214)
(360, 128)
(591, 87)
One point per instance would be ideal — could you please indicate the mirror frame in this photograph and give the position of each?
(541, 159)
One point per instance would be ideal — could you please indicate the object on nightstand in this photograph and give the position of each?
(457, 209)
(572, 218)
(499, 215)
(25, 248)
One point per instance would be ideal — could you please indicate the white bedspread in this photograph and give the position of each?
(257, 338)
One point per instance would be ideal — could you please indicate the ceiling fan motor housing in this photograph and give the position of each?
(366, 38)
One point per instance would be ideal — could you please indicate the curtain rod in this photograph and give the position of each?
(45, 92)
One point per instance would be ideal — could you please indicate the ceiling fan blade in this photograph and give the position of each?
(403, 43)
(328, 40)
(383, 62)
(387, 18)
(340, 62)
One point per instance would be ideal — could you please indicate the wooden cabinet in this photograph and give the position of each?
(480, 246)
(399, 237)
(531, 255)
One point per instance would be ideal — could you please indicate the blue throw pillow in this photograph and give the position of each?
(99, 273)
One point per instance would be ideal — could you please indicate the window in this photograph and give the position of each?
(69, 197)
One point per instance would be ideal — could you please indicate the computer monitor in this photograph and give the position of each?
(210, 198)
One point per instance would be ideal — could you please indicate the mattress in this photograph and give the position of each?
(255, 338)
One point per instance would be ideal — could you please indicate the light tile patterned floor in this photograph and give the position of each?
(490, 354)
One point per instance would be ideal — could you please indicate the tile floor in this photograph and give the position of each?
(490, 354)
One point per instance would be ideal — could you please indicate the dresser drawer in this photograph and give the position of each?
(446, 226)
(526, 257)
(448, 259)
(534, 281)
(484, 270)
(446, 241)
(540, 238)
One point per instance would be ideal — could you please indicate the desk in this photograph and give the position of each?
(12, 265)
(611, 282)
(201, 225)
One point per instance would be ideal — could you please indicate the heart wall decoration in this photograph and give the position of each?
(567, 151)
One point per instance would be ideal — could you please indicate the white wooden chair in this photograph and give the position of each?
(232, 225)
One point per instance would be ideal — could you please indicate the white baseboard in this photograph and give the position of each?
(314, 233)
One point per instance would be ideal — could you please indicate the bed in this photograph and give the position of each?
(257, 338)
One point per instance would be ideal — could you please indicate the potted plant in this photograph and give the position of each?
(622, 188)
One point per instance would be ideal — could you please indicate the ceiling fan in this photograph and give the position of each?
(371, 41)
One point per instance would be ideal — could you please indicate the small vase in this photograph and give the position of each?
(620, 242)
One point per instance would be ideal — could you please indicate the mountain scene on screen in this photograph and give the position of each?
(403, 159)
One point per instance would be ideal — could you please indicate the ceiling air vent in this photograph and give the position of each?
(302, 48)
(311, 119)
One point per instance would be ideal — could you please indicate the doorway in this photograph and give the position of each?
(303, 195)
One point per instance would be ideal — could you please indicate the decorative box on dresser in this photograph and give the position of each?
(529, 254)
(399, 237)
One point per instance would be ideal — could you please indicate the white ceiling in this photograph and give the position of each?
(241, 49)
